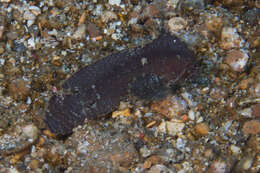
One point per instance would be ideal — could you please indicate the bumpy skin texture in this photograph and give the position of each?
(97, 89)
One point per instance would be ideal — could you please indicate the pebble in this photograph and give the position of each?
(92, 30)
(170, 107)
(251, 127)
(125, 112)
(188, 98)
(28, 15)
(244, 164)
(173, 3)
(192, 4)
(35, 10)
(150, 11)
(247, 112)
(237, 60)
(213, 23)
(177, 24)
(256, 110)
(114, 2)
(230, 38)
(231, 3)
(257, 3)
(145, 152)
(1, 32)
(31, 132)
(191, 115)
(80, 33)
(159, 169)
(108, 16)
(171, 128)
(8, 170)
(201, 129)
(34, 164)
(2, 50)
(235, 150)
(19, 89)
(153, 160)
(218, 167)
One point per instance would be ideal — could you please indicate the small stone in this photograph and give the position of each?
(256, 110)
(92, 30)
(252, 16)
(244, 84)
(108, 16)
(34, 164)
(177, 24)
(257, 3)
(170, 107)
(125, 112)
(192, 4)
(173, 3)
(28, 15)
(237, 60)
(19, 89)
(171, 128)
(35, 10)
(231, 3)
(153, 160)
(191, 115)
(247, 112)
(244, 164)
(251, 127)
(213, 23)
(2, 50)
(19, 47)
(80, 33)
(1, 32)
(235, 150)
(114, 2)
(145, 152)
(159, 169)
(150, 12)
(218, 167)
(202, 129)
(188, 99)
(8, 170)
(230, 38)
(30, 132)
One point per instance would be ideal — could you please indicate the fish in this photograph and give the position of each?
(97, 89)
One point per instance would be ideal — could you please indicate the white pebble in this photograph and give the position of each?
(114, 2)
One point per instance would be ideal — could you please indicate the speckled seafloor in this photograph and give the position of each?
(209, 125)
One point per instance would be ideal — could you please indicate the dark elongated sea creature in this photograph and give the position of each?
(97, 89)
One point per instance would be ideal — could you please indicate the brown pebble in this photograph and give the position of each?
(19, 89)
(202, 129)
(153, 160)
(151, 11)
(218, 167)
(53, 158)
(256, 110)
(170, 107)
(230, 38)
(92, 30)
(34, 164)
(244, 84)
(214, 23)
(125, 113)
(257, 3)
(82, 18)
(237, 60)
(19, 156)
(251, 127)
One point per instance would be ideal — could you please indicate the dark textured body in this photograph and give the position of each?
(97, 89)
